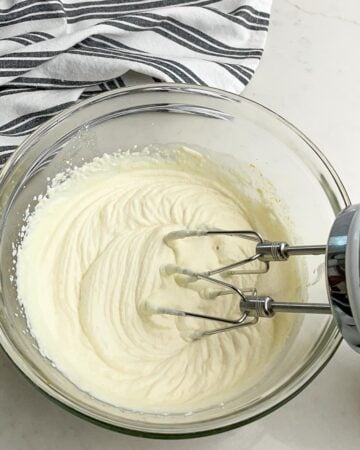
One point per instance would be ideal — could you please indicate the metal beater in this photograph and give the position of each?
(342, 258)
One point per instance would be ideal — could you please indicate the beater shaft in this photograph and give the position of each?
(265, 306)
(281, 251)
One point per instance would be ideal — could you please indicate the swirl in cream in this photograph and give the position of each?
(89, 275)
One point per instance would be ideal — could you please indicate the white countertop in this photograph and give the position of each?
(310, 74)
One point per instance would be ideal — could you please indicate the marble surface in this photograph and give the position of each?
(309, 74)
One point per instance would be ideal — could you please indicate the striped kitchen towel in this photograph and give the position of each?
(55, 52)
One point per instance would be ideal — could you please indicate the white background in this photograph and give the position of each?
(310, 74)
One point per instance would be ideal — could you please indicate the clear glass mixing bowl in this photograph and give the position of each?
(236, 130)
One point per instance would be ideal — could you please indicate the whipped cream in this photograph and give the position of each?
(90, 280)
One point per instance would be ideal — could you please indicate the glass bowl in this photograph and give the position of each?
(233, 129)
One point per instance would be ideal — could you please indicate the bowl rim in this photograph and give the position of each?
(58, 397)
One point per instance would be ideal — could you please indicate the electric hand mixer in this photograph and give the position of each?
(342, 255)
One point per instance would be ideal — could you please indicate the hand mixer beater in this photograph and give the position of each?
(342, 259)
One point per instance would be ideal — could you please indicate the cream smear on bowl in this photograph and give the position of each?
(89, 275)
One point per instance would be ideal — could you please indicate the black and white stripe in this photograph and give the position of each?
(51, 49)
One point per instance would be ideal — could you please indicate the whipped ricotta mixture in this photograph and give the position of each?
(90, 280)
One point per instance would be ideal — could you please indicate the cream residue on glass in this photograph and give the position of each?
(89, 276)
